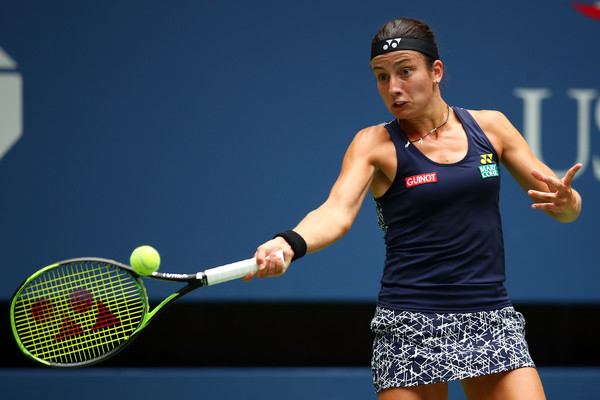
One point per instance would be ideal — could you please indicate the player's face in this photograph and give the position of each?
(405, 82)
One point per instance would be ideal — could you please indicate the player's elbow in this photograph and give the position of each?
(343, 222)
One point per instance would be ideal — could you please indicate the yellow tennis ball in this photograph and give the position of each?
(145, 260)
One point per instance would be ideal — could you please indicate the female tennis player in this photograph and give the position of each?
(443, 312)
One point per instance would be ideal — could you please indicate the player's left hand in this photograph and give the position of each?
(560, 198)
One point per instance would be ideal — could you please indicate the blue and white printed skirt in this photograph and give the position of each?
(413, 348)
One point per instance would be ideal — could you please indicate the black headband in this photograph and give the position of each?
(404, 43)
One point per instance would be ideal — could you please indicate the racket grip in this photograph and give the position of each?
(235, 270)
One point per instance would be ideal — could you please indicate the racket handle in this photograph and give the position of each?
(235, 270)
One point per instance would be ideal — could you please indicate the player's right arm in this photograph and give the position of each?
(333, 219)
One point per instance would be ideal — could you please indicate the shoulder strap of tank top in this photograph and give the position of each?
(395, 132)
(473, 129)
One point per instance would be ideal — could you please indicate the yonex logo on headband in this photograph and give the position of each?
(404, 43)
(393, 43)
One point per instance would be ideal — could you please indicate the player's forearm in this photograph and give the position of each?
(323, 227)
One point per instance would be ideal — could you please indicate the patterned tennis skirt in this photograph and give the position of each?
(413, 348)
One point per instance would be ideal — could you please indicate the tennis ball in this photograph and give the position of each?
(145, 260)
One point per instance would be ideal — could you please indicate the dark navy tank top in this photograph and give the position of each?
(443, 232)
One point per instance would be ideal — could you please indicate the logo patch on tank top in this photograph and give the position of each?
(488, 171)
(487, 158)
(421, 179)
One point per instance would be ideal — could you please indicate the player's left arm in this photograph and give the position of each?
(551, 194)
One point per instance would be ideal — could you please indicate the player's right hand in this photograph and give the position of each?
(269, 265)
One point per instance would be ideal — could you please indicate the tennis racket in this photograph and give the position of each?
(81, 311)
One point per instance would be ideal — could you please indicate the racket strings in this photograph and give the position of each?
(78, 311)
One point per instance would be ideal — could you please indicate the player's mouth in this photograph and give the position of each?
(399, 104)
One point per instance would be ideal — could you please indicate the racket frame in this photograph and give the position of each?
(193, 281)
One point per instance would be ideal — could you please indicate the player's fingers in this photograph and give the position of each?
(265, 264)
(568, 178)
(537, 174)
(271, 266)
(288, 254)
(262, 260)
(536, 195)
(263, 270)
(248, 277)
(556, 201)
(553, 183)
(277, 265)
(260, 256)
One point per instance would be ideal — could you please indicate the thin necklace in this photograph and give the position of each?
(420, 140)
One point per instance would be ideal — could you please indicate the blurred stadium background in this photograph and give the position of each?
(202, 128)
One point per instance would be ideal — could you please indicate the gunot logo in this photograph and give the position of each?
(421, 179)
(11, 103)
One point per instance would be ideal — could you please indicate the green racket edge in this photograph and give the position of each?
(12, 314)
(148, 315)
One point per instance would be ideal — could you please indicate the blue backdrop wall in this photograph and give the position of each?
(201, 128)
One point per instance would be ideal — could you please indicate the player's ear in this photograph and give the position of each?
(438, 71)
